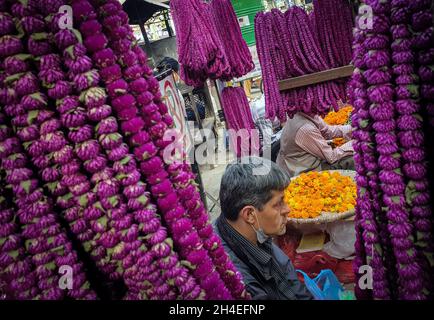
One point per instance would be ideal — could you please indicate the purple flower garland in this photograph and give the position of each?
(200, 51)
(17, 268)
(125, 246)
(51, 152)
(105, 60)
(124, 176)
(162, 188)
(200, 218)
(421, 17)
(239, 117)
(289, 47)
(367, 200)
(86, 149)
(235, 47)
(46, 241)
(273, 99)
(383, 108)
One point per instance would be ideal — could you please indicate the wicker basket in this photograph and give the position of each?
(326, 217)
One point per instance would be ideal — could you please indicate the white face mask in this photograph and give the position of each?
(260, 234)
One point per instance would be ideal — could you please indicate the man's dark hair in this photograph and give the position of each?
(240, 186)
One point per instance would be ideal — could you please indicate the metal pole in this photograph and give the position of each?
(144, 34)
(166, 21)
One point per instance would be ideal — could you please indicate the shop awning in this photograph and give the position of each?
(140, 11)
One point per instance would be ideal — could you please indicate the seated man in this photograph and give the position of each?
(253, 210)
(304, 147)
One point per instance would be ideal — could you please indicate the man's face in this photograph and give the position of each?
(274, 215)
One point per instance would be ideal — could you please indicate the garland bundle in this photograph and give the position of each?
(237, 52)
(239, 117)
(289, 45)
(394, 214)
(209, 41)
(82, 145)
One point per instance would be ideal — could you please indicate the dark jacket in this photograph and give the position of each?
(260, 282)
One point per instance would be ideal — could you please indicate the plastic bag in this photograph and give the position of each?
(325, 286)
(342, 239)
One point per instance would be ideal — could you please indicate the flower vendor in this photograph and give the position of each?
(254, 210)
(304, 145)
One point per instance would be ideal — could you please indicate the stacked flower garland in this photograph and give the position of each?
(295, 44)
(239, 119)
(209, 41)
(312, 193)
(83, 108)
(235, 47)
(393, 216)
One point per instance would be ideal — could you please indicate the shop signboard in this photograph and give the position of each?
(246, 11)
(175, 104)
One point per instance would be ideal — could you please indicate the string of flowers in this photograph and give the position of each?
(125, 241)
(87, 150)
(45, 241)
(50, 246)
(289, 47)
(392, 182)
(366, 167)
(235, 47)
(381, 124)
(60, 141)
(272, 96)
(421, 23)
(334, 40)
(131, 125)
(123, 177)
(410, 122)
(204, 229)
(276, 29)
(200, 51)
(134, 190)
(17, 269)
(19, 279)
(162, 188)
(190, 199)
(184, 181)
(239, 118)
(304, 45)
(53, 155)
(50, 147)
(333, 21)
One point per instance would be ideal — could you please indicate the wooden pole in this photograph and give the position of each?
(317, 77)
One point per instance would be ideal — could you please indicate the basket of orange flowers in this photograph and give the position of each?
(321, 197)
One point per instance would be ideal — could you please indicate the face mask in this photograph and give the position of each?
(260, 234)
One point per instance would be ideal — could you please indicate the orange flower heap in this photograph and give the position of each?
(314, 192)
(337, 142)
(340, 117)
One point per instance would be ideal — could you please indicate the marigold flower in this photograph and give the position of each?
(312, 193)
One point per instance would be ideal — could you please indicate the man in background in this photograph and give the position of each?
(270, 141)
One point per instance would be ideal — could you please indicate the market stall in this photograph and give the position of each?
(91, 190)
